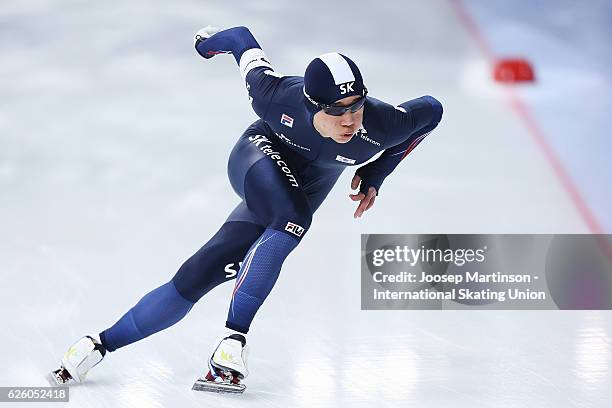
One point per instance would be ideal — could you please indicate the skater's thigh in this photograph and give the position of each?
(218, 260)
(263, 176)
(246, 152)
(277, 200)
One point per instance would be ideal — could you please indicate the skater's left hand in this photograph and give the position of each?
(366, 201)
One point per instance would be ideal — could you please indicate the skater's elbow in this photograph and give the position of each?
(436, 107)
(241, 30)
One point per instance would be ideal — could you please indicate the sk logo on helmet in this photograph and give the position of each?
(347, 87)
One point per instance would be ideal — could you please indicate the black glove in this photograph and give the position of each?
(370, 177)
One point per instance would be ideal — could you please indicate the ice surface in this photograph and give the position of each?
(114, 136)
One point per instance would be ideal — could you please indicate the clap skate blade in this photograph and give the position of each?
(229, 385)
(59, 377)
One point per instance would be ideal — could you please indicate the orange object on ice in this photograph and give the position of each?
(513, 70)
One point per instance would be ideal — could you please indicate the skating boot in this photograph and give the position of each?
(77, 361)
(226, 367)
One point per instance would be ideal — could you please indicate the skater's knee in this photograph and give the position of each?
(193, 279)
(217, 261)
(190, 281)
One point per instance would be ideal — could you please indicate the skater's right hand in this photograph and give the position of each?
(366, 201)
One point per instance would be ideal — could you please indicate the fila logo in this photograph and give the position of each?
(294, 229)
(345, 159)
(347, 87)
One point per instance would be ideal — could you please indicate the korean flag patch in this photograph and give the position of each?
(287, 120)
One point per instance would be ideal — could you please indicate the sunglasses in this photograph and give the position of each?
(339, 110)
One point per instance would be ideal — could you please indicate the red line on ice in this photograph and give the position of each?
(534, 130)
